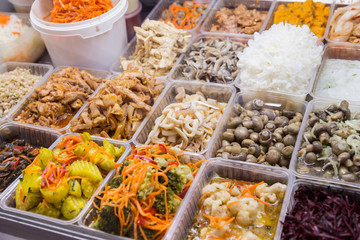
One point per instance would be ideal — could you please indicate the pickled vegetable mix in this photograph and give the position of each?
(141, 200)
(59, 183)
(184, 15)
(68, 11)
(232, 209)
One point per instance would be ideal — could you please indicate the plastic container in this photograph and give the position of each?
(35, 136)
(270, 20)
(43, 70)
(93, 43)
(116, 67)
(339, 4)
(22, 6)
(88, 218)
(225, 169)
(133, 19)
(96, 73)
(299, 96)
(26, 48)
(335, 51)
(271, 100)
(8, 202)
(132, 6)
(86, 105)
(176, 74)
(295, 163)
(354, 192)
(163, 5)
(221, 93)
(262, 6)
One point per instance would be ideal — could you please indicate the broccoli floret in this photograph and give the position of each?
(178, 177)
(110, 223)
(172, 202)
(115, 182)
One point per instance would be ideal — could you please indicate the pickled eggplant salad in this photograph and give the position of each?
(60, 182)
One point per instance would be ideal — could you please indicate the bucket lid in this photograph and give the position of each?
(85, 29)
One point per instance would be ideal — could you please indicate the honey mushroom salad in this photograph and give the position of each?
(330, 145)
(259, 134)
(233, 209)
(141, 200)
(60, 182)
(189, 123)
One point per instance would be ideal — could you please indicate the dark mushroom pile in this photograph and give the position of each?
(213, 60)
(331, 144)
(259, 134)
(14, 157)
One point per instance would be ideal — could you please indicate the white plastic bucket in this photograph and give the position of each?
(94, 43)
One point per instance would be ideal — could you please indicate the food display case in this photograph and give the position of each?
(284, 127)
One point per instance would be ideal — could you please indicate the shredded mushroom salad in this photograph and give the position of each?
(188, 124)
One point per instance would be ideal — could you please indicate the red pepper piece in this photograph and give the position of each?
(15, 164)
(183, 193)
(172, 163)
(146, 159)
(19, 148)
(162, 148)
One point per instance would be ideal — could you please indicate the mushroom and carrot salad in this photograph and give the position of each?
(60, 182)
(141, 200)
(233, 209)
(331, 143)
(15, 156)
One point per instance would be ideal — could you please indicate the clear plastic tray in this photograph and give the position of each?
(127, 53)
(147, 116)
(88, 218)
(318, 104)
(229, 169)
(299, 96)
(335, 51)
(271, 100)
(338, 4)
(8, 203)
(354, 192)
(262, 6)
(35, 69)
(221, 93)
(155, 14)
(328, 3)
(175, 73)
(96, 73)
(35, 136)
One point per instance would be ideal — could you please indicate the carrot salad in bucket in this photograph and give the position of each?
(68, 11)
(141, 200)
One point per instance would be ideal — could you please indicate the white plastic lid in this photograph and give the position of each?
(85, 29)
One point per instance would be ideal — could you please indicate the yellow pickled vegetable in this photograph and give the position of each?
(59, 182)
(312, 14)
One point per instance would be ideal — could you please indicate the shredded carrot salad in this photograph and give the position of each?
(139, 215)
(68, 11)
(186, 15)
